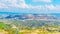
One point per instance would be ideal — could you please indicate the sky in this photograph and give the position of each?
(30, 6)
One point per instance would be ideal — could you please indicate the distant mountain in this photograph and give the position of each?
(29, 16)
(21, 19)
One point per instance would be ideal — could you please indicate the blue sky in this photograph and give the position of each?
(30, 6)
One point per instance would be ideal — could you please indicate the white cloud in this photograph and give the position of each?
(3, 5)
(42, 0)
(57, 8)
(53, 8)
(9, 1)
(50, 7)
(23, 5)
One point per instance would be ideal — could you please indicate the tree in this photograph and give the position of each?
(2, 25)
(8, 28)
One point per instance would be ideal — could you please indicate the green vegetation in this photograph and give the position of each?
(29, 27)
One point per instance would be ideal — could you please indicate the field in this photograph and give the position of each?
(29, 27)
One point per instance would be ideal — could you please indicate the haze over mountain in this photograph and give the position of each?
(8, 15)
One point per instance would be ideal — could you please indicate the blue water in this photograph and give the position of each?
(57, 14)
